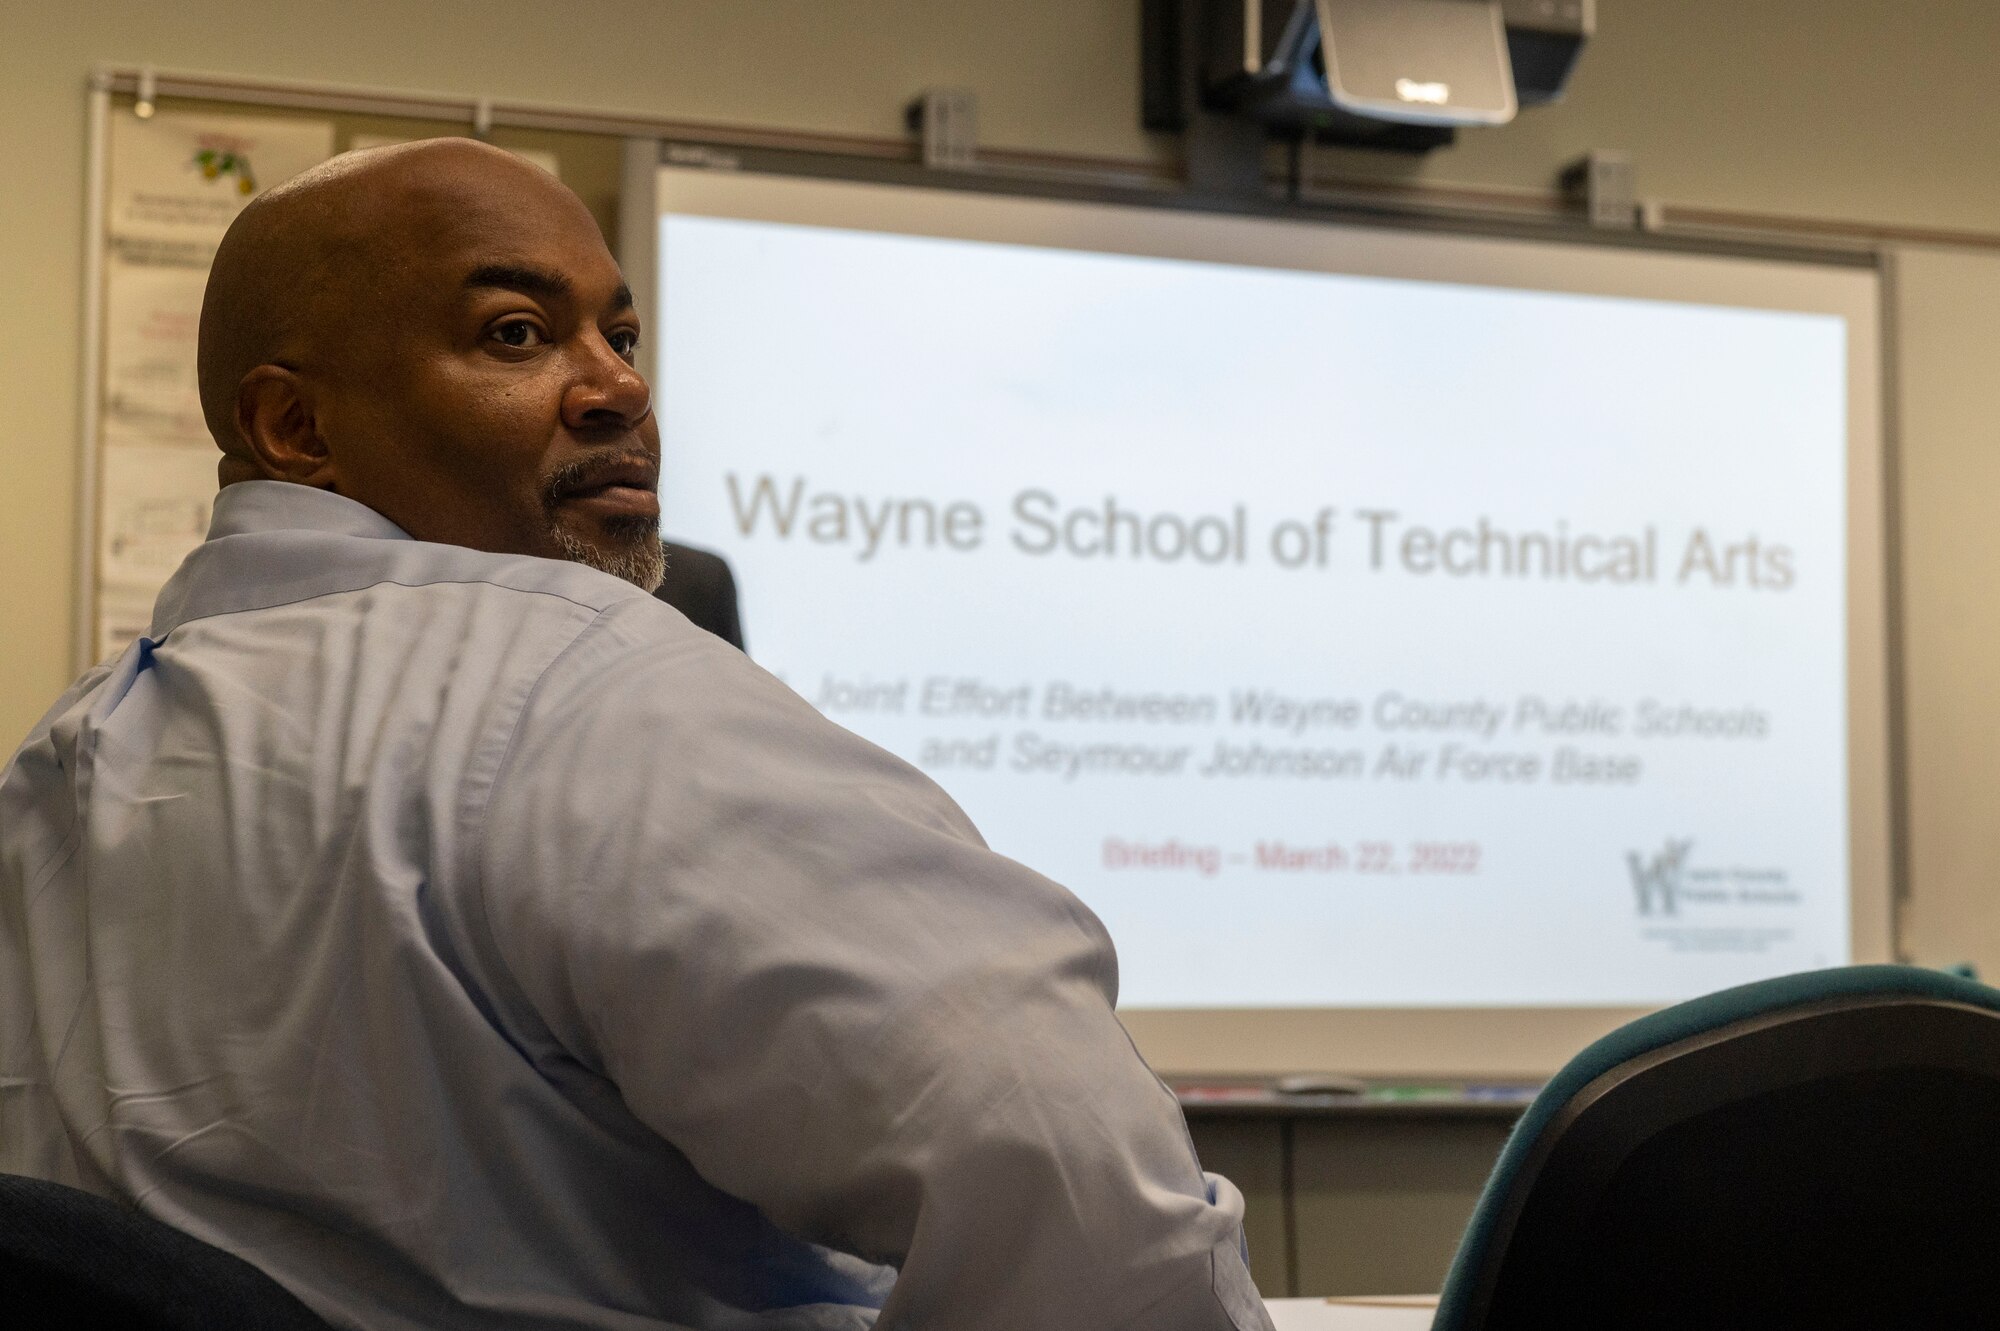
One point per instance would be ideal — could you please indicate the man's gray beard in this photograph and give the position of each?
(641, 561)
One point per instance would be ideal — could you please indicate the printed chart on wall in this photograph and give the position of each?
(176, 182)
(1340, 640)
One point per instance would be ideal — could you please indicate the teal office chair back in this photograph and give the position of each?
(1820, 1150)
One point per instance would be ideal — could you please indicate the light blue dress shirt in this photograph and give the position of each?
(469, 941)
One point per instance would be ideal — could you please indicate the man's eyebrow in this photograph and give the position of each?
(535, 282)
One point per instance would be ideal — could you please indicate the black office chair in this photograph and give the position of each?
(73, 1259)
(698, 583)
(1821, 1150)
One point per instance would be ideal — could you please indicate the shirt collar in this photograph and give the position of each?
(254, 506)
(266, 546)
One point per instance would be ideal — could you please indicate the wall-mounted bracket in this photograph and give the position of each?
(1604, 182)
(946, 120)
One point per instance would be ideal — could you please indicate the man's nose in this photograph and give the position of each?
(606, 392)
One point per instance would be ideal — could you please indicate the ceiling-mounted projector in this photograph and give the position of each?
(1420, 62)
(1392, 73)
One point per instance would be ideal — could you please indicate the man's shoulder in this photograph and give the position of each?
(274, 545)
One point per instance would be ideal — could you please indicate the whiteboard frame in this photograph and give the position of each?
(1417, 1041)
(90, 378)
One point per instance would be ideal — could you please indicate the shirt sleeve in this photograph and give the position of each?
(803, 969)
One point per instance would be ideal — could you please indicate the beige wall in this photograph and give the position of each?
(1849, 109)
(1949, 306)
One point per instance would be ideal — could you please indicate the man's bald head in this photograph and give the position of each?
(437, 330)
(298, 262)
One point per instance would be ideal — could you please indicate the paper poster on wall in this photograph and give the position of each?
(152, 312)
(156, 504)
(176, 183)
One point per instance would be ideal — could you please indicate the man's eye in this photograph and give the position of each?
(521, 333)
(624, 342)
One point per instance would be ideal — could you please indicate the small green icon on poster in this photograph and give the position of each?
(218, 162)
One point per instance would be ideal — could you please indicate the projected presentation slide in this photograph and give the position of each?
(1341, 641)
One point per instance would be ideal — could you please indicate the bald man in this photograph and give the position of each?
(425, 913)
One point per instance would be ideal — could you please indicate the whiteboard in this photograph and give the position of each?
(1069, 489)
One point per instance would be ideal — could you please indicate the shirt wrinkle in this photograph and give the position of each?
(475, 823)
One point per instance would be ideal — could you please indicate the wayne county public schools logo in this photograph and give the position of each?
(1711, 906)
(1659, 881)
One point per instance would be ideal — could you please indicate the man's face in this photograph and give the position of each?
(482, 393)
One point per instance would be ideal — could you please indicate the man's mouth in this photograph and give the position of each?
(614, 488)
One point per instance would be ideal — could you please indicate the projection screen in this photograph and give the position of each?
(1423, 651)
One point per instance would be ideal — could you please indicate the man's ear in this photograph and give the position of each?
(275, 419)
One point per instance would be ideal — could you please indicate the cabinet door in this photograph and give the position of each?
(1380, 1203)
(1250, 1154)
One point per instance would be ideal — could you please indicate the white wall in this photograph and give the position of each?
(1861, 110)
